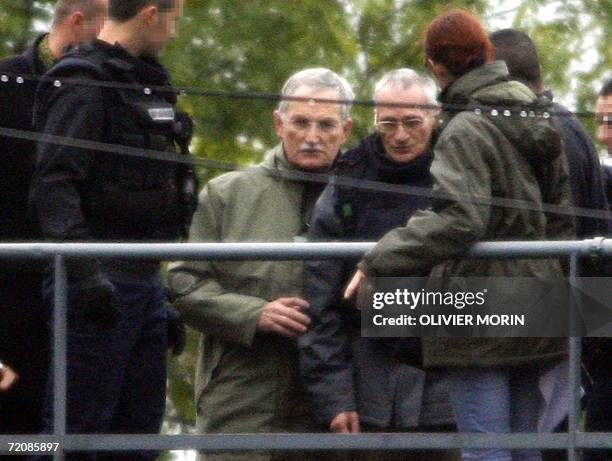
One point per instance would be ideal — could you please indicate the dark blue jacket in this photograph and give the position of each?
(591, 191)
(607, 178)
(588, 191)
(17, 156)
(340, 370)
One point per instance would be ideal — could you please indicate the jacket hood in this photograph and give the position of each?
(490, 88)
(32, 55)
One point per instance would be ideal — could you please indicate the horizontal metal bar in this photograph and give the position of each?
(386, 441)
(594, 440)
(184, 251)
(245, 442)
(286, 251)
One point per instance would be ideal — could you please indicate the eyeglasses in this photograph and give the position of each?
(604, 119)
(391, 126)
(303, 124)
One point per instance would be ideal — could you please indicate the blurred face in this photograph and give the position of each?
(86, 27)
(405, 132)
(161, 27)
(312, 133)
(604, 121)
(93, 25)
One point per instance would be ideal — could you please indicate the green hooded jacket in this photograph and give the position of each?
(477, 155)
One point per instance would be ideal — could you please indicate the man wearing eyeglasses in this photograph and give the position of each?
(373, 384)
(597, 351)
(604, 115)
(251, 312)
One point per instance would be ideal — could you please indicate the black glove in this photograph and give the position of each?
(183, 131)
(177, 333)
(96, 298)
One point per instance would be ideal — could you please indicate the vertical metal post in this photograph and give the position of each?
(59, 353)
(574, 361)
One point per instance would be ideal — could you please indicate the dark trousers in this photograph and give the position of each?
(599, 410)
(24, 346)
(596, 356)
(117, 377)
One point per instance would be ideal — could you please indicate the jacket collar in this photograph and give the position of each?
(276, 159)
(481, 77)
(275, 164)
(388, 170)
(33, 56)
(145, 70)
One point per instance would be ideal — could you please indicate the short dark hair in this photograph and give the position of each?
(64, 8)
(519, 52)
(606, 90)
(124, 10)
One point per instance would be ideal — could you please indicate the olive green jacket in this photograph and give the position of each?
(223, 299)
(482, 157)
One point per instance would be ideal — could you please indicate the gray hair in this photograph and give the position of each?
(405, 78)
(321, 79)
(65, 8)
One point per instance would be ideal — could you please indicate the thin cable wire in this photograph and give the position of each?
(294, 175)
(495, 111)
(508, 111)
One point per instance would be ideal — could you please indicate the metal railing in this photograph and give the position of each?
(572, 441)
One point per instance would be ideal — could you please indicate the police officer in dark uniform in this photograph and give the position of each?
(23, 318)
(138, 190)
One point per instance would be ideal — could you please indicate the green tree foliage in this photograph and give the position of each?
(17, 20)
(239, 46)
(389, 36)
(566, 31)
(254, 46)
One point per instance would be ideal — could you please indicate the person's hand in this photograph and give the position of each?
(177, 333)
(285, 317)
(7, 377)
(346, 422)
(354, 284)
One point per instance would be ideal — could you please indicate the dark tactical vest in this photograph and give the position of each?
(132, 197)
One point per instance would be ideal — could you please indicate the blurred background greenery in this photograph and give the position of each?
(237, 45)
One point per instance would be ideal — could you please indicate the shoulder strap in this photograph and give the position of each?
(73, 63)
(88, 58)
(22, 64)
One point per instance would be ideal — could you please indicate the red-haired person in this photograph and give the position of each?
(493, 381)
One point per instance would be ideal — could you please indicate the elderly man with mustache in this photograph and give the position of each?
(251, 312)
